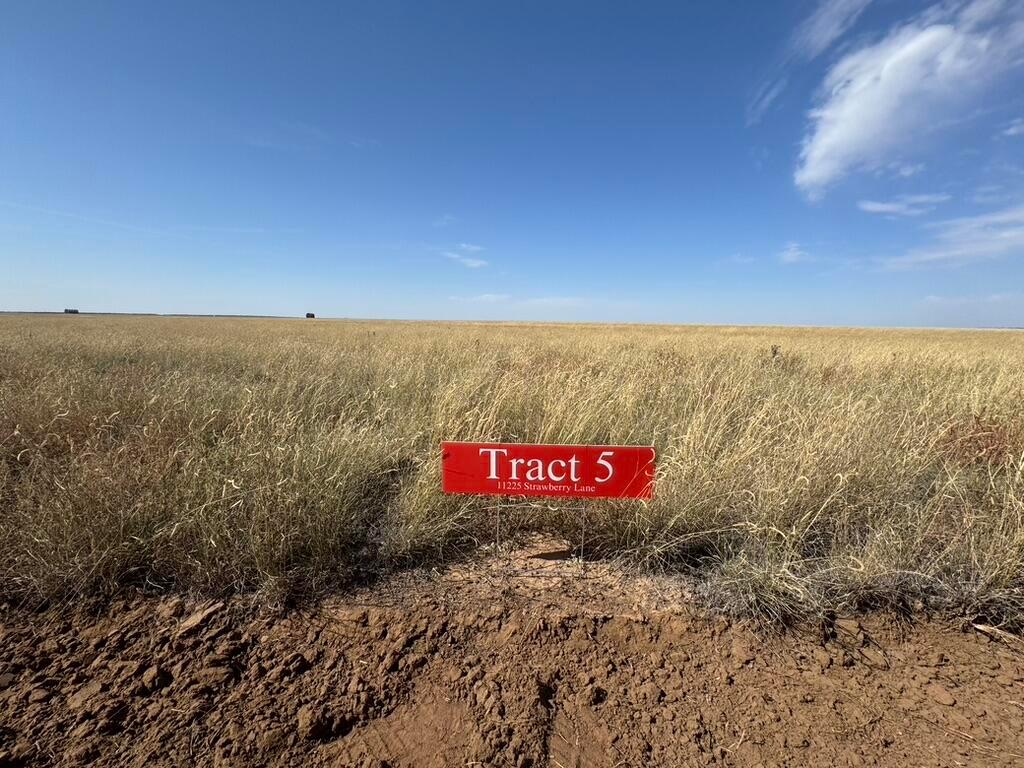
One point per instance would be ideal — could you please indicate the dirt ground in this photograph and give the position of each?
(529, 659)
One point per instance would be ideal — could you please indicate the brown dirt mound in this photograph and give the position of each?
(529, 660)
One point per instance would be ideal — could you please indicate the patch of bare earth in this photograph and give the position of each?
(532, 659)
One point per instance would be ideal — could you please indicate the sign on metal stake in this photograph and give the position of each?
(576, 471)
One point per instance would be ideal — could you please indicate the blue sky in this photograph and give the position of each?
(835, 162)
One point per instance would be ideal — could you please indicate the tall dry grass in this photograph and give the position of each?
(800, 471)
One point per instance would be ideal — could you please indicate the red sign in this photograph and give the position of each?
(583, 471)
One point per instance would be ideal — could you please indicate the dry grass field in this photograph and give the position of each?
(800, 471)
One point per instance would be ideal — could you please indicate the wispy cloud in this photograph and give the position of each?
(483, 298)
(989, 194)
(972, 301)
(554, 302)
(357, 142)
(228, 230)
(470, 262)
(830, 21)
(904, 205)
(737, 258)
(285, 134)
(470, 247)
(880, 98)
(1000, 309)
(88, 219)
(794, 254)
(763, 98)
(444, 220)
(968, 240)
(1014, 128)
(186, 232)
(906, 170)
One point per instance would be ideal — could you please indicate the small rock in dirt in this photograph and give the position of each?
(84, 696)
(296, 664)
(592, 696)
(940, 695)
(155, 677)
(849, 627)
(742, 653)
(213, 675)
(112, 722)
(695, 726)
(272, 739)
(170, 608)
(39, 694)
(198, 619)
(82, 730)
(649, 694)
(936, 659)
(225, 652)
(822, 658)
(357, 616)
(313, 724)
(906, 703)
(82, 754)
(390, 663)
(875, 658)
(7, 680)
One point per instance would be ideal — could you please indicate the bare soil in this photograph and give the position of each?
(530, 659)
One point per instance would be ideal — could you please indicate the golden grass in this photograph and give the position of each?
(800, 471)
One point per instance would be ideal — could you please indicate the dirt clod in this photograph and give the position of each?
(154, 678)
(313, 724)
(195, 622)
(940, 695)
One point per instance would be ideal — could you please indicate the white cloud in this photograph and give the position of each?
(763, 98)
(970, 301)
(1015, 128)
(737, 258)
(556, 301)
(444, 220)
(467, 261)
(470, 248)
(904, 205)
(998, 310)
(989, 194)
(826, 25)
(483, 298)
(816, 33)
(883, 97)
(968, 240)
(794, 254)
(906, 170)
